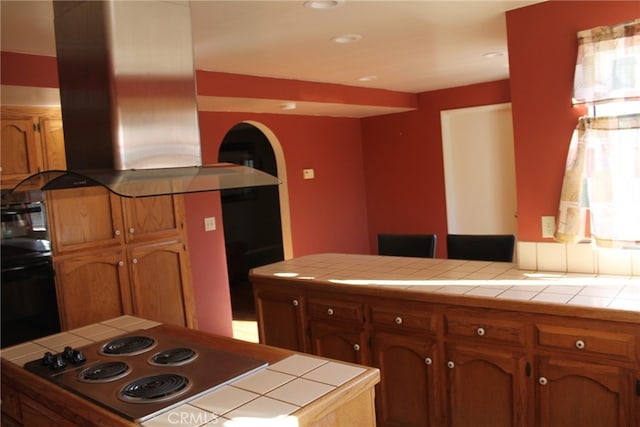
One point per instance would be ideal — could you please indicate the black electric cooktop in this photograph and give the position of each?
(143, 373)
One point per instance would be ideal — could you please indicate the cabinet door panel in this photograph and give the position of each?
(92, 288)
(406, 394)
(572, 393)
(20, 155)
(53, 144)
(84, 218)
(280, 319)
(485, 388)
(160, 283)
(149, 218)
(338, 341)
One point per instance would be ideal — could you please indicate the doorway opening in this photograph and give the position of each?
(251, 217)
(479, 165)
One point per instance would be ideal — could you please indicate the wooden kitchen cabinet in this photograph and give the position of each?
(408, 366)
(52, 134)
(336, 329)
(284, 309)
(92, 287)
(84, 219)
(160, 276)
(338, 341)
(589, 370)
(150, 276)
(21, 155)
(32, 141)
(485, 387)
(575, 393)
(456, 363)
(153, 218)
(404, 348)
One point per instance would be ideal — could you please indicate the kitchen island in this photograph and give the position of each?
(291, 390)
(464, 342)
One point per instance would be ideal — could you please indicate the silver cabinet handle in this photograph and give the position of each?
(580, 344)
(543, 381)
(480, 331)
(398, 320)
(117, 233)
(450, 364)
(295, 303)
(330, 311)
(120, 263)
(428, 361)
(132, 230)
(134, 261)
(356, 347)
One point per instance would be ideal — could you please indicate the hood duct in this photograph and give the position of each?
(128, 96)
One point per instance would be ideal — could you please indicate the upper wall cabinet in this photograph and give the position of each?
(32, 141)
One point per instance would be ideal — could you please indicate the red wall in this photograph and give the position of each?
(403, 162)
(542, 58)
(328, 213)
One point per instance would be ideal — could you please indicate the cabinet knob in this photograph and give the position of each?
(117, 233)
(132, 230)
(295, 303)
(330, 311)
(580, 344)
(356, 347)
(428, 361)
(543, 381)
(120, 263)
(480, 331)
(398, 320)
(134, 261)
(450, 364)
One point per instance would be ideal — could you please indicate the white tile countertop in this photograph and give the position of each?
(270, 395)
(492, 280)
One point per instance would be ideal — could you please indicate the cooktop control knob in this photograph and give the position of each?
(67, 353)
(58, 362)
(78, 357)
(47, 360)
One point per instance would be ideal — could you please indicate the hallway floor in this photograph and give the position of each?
(245, 326)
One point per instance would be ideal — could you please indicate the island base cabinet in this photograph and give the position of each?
(280, 319)
(338, 341)
(408, 379)
(573, 393)
(485, 388)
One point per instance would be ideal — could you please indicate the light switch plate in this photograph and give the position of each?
(210, 223)
(308, 173)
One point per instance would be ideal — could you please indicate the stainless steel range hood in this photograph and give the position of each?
(128, 95)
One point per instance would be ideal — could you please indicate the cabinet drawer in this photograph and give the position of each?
(403, 319)
(488, 327)
(586, 341)
(336, 310)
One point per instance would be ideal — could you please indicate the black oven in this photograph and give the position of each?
(29, 307)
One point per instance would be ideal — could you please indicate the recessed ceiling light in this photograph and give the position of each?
(346, 38)
(492, 54)
(367, 78)
(322, 4)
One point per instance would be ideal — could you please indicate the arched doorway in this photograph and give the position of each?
(252, 217)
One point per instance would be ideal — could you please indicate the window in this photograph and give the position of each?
(601, 187)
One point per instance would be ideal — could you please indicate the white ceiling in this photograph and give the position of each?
(410, 46)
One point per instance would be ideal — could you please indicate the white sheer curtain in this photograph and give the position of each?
(602, 178)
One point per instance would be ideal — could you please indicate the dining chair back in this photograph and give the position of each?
(481, 247)
(410, 245)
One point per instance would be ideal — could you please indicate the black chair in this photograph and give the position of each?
(487, 247)
(411, 245)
